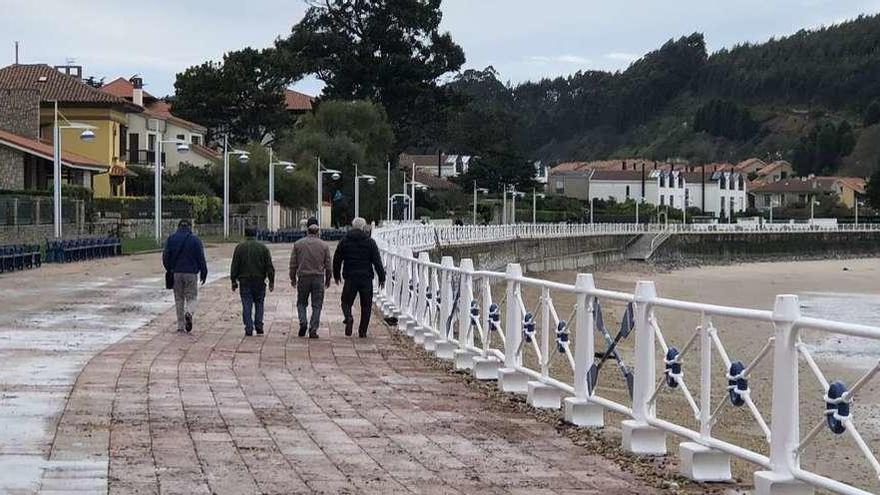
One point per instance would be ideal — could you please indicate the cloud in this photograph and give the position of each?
(624, 57)
(558, 59)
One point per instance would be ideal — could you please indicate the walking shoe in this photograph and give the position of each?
(362, 333)
(259, 330)
(348, 325)
(189, 322)
(302, 330)
(313, 335)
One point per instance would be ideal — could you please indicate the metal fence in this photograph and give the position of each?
(554, 342)
(37, 210)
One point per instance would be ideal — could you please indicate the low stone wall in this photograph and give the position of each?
(536, 255)
(731, 247)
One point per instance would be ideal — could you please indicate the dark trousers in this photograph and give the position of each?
(253, 295)
(310, 287)
(357, 287)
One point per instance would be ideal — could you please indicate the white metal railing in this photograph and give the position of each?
(528, 331)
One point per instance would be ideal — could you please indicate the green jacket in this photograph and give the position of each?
(252, 261)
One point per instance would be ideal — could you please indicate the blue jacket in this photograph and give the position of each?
(192, 254)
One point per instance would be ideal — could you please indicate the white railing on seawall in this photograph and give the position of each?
(534, 346)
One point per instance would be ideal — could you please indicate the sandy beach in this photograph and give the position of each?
(844, 290)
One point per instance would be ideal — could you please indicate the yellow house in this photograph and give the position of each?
(80, 103)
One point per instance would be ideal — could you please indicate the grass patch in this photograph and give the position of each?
(139, 245)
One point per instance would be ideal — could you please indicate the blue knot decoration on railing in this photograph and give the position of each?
(737, 384)
(837, 407)
(428, 295)
(475, 312)
(673, 367)
(528, 327)
(410, 286)
(494, 317)
(562, 337)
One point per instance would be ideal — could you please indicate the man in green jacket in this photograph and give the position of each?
(251, 267)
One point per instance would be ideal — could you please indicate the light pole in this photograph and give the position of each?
(243, 157)
(182, 147)
(371, 179)
(335, 175)
(637, 213)
(504, 204)
(535, 197)
(858, 203)
(513, 195)
(813, 204)
(87, 134)
(288, 167)
(413, 185)
(388, 189)
(481, 190)
(591, 210)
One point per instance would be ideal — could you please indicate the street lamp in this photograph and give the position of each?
(813, 204)
(481, 190)
(371, 179)
(288, 167)
(182, 147)
(513, 195)
(243, 157)
(335, 175)
(535, 197)
(858, 203)
(88, 135)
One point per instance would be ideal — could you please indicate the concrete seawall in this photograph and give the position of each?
(732, 246)
(538, 255)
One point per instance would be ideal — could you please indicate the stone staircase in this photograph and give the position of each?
(643, 247)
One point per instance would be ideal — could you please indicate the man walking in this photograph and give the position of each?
(310, 272)
(357, 257)
(251, 267)
(184, 257)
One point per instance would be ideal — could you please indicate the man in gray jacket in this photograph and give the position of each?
(310, 272)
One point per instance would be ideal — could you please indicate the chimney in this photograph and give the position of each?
(137, 92)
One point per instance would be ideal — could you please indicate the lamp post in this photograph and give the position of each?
(637, 213)
(243, 157)
(413, 185)
(182, 147)
(481, 190)
(288, 167)
(371, 179)
(591, 210)
(388, 190)
(335, 175)
(513, 195)
(87, 134)
(813, 204)
(535, 197)
(858, 203)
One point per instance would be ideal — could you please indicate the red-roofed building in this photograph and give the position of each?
(158, 123)
(297, 102)
(801, 190)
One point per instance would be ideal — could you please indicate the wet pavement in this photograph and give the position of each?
(99, 393)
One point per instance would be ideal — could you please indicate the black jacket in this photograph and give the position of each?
(357, 256)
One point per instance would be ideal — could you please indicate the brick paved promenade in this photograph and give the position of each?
(215, 412)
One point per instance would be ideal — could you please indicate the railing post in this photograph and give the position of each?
(639, 437)
(578, 409)
(785, 405)
(424, 333)
(445, 347)
(509, 378)
(464, 356)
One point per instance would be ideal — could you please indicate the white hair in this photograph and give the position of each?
(359, 224)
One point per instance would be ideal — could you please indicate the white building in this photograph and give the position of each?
(157, 123)
(718, 192)
(657, 187)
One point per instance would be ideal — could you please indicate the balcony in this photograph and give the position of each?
(143, 157)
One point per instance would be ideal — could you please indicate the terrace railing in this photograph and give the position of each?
(550, 341)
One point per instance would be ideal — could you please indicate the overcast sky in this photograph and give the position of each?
(522, 39)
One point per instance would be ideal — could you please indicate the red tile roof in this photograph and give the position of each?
(811, 184)
(205, 152)
(122, 88)
(434, 182)
(162, 110)
(298, 102)
(54, 85)
(45, 151)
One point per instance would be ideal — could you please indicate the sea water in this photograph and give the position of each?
(863, 309)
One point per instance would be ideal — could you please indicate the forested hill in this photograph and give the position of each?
(806, 97)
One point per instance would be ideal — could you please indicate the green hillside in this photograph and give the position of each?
(804, 98)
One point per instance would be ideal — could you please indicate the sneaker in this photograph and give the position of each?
(189, 322)
(302, 330)
(259, 330)
(348, 325)
(362, 334)
(248, 332)
(313, 335)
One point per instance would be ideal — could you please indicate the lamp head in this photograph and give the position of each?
(87, 135)
(290, 167)
(182, 147)
(335, 176)
(244, 157)
(371, 180)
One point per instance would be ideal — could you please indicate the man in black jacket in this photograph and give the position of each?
(357, 257)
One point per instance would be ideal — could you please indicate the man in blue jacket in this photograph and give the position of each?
(184, 255)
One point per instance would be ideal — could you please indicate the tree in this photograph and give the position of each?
(871, 114)
(243, 96)
(390, 52)
(344, 133)
(725, 119)
(872, 190)
(820, 151)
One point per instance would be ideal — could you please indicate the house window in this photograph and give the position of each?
(560, 186)
(672, 201)
(662, 200)
(768, 200)
(196, 140)
(722, 206)
(627, 192)
(741, 183)
(181, 137)
(722, 183)
(151, 142)
(680, 182)
(662, 181)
